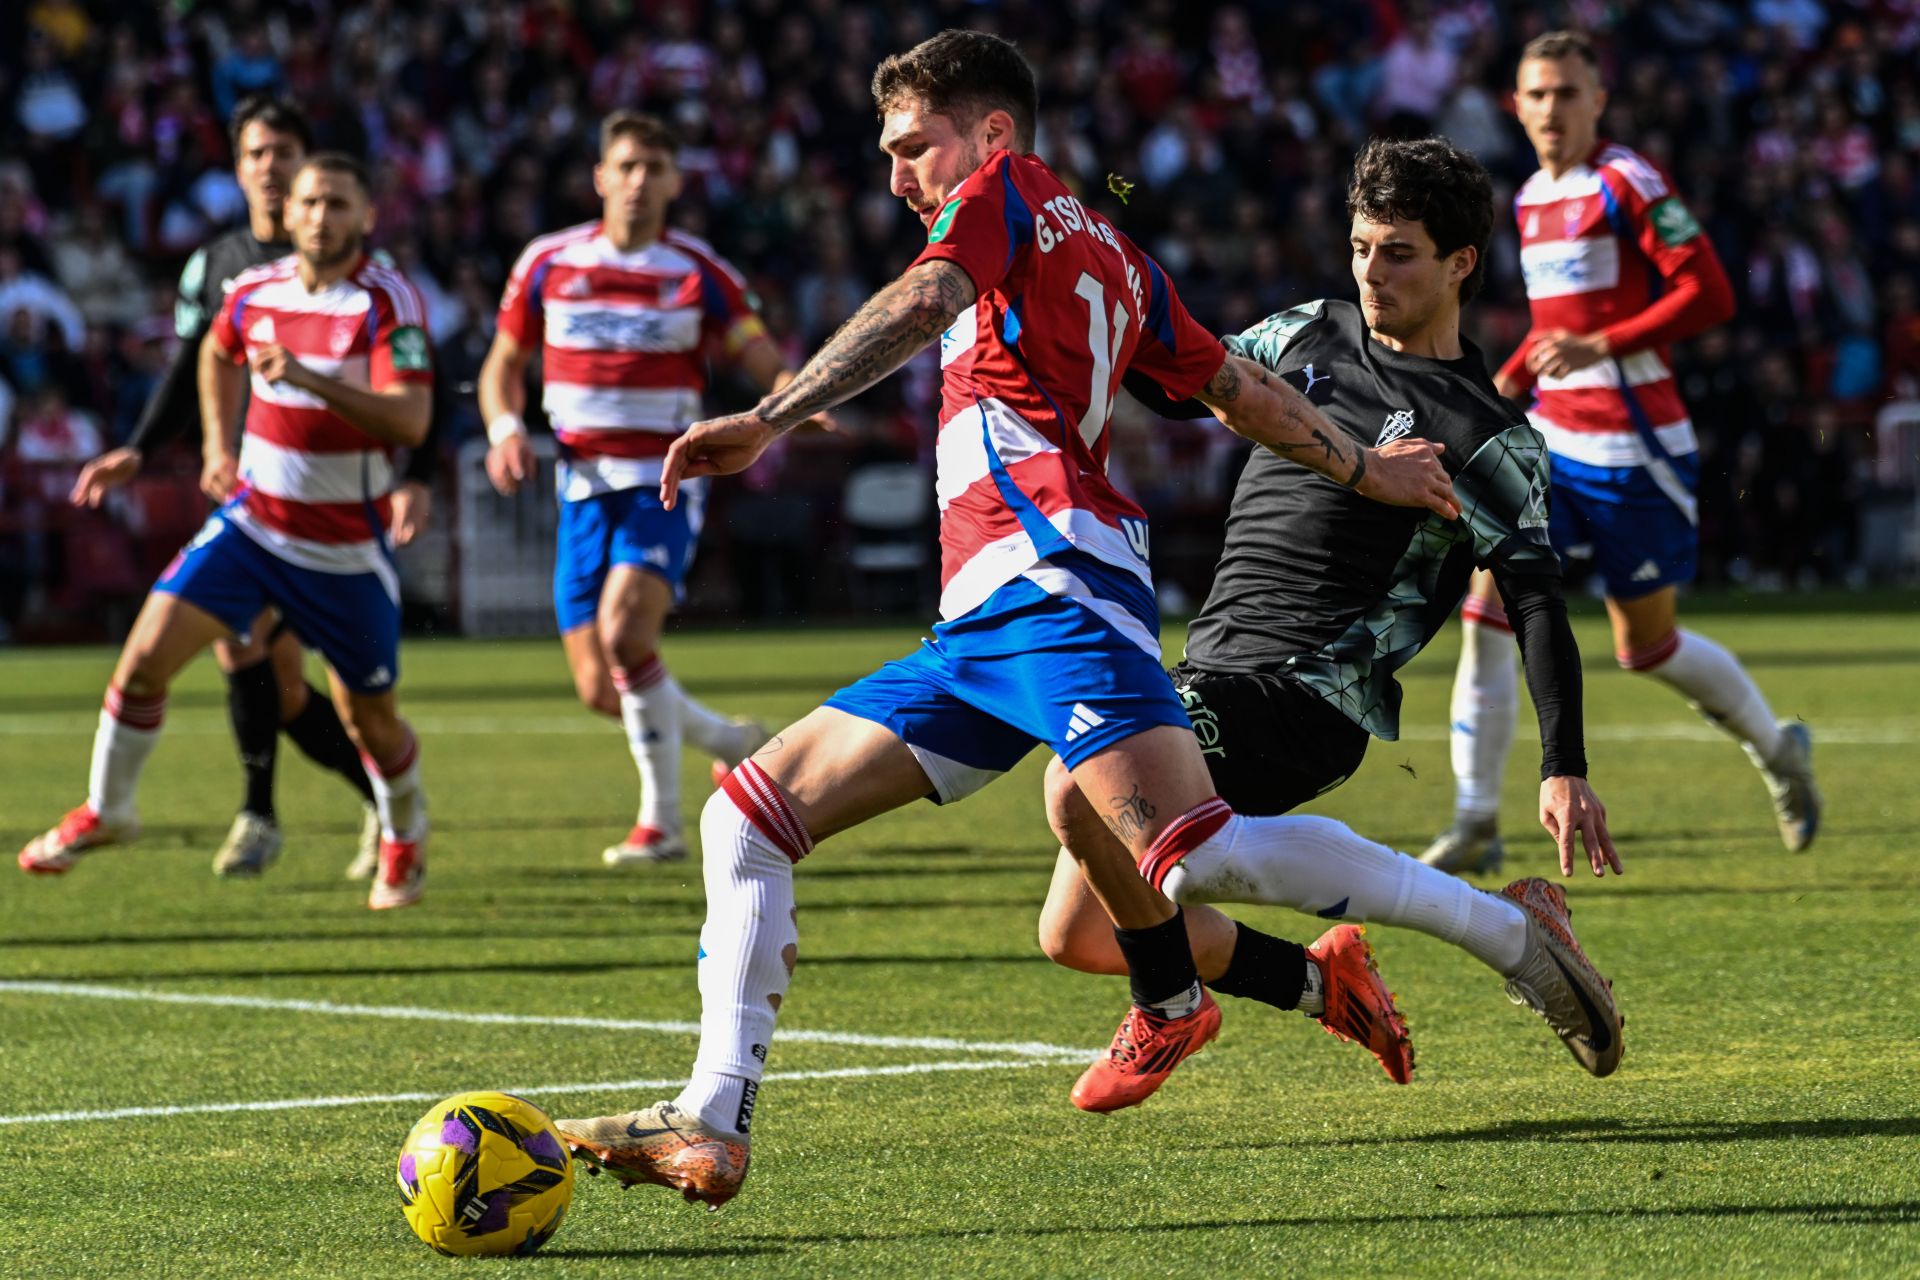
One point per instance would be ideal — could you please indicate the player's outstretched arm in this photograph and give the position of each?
(1257, 403)
(397, 414)
(886, 332)
(1551, 657)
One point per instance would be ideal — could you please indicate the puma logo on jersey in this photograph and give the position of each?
(1083, 719)
(1311, 380)
(1398, 423)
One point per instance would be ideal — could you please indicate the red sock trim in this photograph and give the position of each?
(135, 710)
(1649, 658)
(756, 795)
(1485, 613)
(1182, 836)
(638, 679)
(408, 756)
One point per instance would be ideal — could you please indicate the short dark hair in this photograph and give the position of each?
(276, 114)
(338, 162)
(647, 130)
(1555, 45)
(1434, 183)
(963, 75)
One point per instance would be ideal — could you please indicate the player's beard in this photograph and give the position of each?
(326, 261)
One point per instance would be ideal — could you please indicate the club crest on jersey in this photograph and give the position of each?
(1398, 423)
(341, 335)
(261, 330)
(1572, 213)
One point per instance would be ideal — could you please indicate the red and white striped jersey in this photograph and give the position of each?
(624, 338)
(1066, 305)
(314, 486)
(1608, 247)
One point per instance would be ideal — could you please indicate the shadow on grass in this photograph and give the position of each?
(658, 1251)
(1835, 1212)
(1586, 1129)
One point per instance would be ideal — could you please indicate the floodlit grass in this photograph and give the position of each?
(1764, 1121)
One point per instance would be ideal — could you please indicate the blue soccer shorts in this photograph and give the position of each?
(351, 619)
(1024, 668)
(1639, 538)
(625, 526)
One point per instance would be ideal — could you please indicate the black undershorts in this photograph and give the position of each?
(1270, 742)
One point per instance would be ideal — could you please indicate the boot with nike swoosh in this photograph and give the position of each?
(665, 1145)
(1557, 981)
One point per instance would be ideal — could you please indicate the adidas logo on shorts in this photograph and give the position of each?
(1082, 719)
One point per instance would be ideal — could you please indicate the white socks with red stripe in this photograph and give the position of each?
(397, 794)
(1486, 701)
(129, 728)
(751, 838)
(650, 711)
(1323, 867)
(1714, 682)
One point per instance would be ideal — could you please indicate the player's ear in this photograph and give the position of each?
(997, 131)
(599, 187)
(1464, 260)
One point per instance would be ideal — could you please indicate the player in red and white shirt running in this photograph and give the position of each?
(341, 376)
(1049, 632)
(624, 313)
(1617, 270)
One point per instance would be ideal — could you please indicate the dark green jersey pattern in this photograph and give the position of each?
(1339, 591)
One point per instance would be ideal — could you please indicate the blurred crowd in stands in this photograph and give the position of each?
(1791, 126)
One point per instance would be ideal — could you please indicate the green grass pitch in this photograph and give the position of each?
(1765, 1120)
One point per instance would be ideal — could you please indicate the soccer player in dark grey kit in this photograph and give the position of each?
(267, 690)
(1319, 598)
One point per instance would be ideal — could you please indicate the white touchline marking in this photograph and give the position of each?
(1838, 733)
(529, 1091)
(1023, 1049)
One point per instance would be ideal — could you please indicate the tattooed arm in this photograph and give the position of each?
(880, 337)
(1257, 403)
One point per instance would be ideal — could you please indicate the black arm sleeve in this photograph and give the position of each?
(1148, 393)
(174, 408)
(1538, 613)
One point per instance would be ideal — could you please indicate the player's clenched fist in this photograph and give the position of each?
(276, 364)
(219, 476)
(716, 447)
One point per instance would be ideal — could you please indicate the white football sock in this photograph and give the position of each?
(705, 728)
(751, 839)
(397, 793)
(1716, 685)
(128, 731)
(1486, 702)
(650, 710)
(1323, 867)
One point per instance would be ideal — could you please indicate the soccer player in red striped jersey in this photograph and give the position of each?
(1617, 270)
(341, 375)
(1049, 632)
(624, 312)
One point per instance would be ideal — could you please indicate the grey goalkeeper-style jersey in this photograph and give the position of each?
(1339, 591)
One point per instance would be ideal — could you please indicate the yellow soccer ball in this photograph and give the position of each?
(485, 1173)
